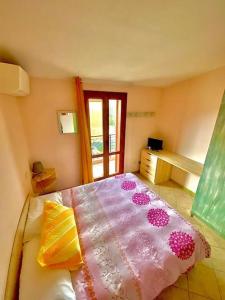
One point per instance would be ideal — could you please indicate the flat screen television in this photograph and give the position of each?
(155, 144)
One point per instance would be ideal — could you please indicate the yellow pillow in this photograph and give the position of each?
(60, 246)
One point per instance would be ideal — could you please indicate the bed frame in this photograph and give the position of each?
(12, 283)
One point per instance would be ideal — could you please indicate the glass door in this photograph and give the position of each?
(107, 121)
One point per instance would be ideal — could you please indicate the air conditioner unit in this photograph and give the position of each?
(14, 80)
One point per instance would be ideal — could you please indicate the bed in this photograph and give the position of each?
(133, 244)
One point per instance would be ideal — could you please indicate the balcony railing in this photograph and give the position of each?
(97, 144)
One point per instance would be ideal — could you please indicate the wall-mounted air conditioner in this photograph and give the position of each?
(14, 80)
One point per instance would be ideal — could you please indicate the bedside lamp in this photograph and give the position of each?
(37, 167)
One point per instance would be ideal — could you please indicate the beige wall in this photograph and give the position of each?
(63, 151)
(187, 116)
(39, 111)
(14, 178)
(139, 99)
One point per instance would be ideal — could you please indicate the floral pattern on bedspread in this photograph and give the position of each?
(134, 245)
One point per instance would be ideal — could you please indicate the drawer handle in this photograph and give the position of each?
(147, 158)
(149, 171)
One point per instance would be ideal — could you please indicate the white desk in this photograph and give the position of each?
(156, 165)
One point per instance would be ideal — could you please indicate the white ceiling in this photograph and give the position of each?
(137, 41)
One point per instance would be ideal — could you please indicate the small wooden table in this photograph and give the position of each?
(156, 165)
(42, 182)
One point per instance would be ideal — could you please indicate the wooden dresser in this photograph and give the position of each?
(156, 165)
(153, 168)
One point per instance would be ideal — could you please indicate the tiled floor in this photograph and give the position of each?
(207, 279)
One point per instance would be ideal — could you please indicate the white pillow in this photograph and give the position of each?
(35, 214)
(37, 283)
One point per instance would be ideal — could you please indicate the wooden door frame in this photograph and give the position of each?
(105, 96)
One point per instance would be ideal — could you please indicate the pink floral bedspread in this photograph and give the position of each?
(134, 245)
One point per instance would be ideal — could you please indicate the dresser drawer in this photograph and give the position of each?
(147, 175)
(151, 164)
(147, 168)
(145, 154)
(148, 159)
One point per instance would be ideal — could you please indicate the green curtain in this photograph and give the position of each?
(209, 202)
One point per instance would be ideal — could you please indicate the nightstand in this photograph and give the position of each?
(43, 183)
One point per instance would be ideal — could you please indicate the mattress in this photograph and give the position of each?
(35, 282)
(39, 283)
(133, 244)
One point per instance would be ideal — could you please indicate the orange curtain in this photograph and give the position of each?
(86, 161)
